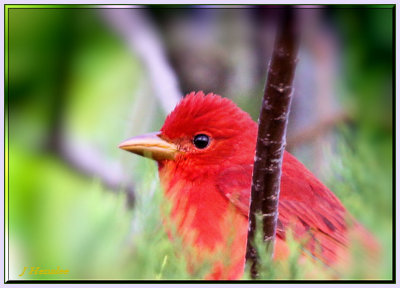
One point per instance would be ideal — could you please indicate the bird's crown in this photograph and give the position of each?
(199, 112)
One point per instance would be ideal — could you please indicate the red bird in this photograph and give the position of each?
(205, 153)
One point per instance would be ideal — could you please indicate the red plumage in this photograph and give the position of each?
(210, 188)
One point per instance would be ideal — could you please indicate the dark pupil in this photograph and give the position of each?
(201, 141)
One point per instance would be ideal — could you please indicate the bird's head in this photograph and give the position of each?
(201, 130)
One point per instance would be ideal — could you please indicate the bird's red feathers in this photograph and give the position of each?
(210, 188)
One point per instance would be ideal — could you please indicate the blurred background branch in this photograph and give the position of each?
(139, 33)
(85, 159)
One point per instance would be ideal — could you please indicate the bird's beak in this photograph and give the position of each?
(151, 146)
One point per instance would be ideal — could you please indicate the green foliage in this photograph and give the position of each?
(95, 236)
(361, 175)
(298, 266)
(77, 225)
(92, 234)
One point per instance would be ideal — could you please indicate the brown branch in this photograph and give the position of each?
(271, 137)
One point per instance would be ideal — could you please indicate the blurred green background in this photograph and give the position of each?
(82, 80)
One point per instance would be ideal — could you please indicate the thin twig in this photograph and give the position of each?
(271, 137)
(325, 125)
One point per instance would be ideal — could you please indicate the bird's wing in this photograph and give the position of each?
(234, 183)
(312, 211)
(308, 207)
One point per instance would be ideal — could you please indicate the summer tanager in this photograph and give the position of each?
(205, 152)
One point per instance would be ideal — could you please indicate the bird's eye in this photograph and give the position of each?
(201, 141)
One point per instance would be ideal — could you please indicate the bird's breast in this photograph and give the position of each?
(204, 217)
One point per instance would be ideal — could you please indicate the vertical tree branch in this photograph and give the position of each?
(272, 136)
